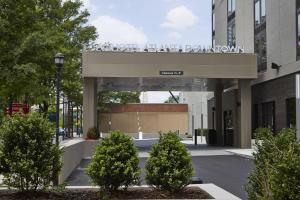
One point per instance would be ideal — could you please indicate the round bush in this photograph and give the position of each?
(93, 133)
(115, 163)
(28, 158)
(169, 166)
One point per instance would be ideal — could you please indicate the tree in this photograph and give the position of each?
(32, 32)
(172, 100)
(109, 98)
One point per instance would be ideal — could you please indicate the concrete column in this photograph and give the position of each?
(89, 104)
(219, 114)
(298, 105)
(245, 106)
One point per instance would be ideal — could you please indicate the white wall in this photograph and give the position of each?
(197, 104)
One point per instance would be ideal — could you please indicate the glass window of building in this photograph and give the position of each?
(260, 12)
(257, 13)
(231, 40)
(231, 6)
(260, 34)
(298, 28)
(263, 10)
(213, 22)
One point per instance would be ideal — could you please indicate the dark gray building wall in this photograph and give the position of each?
(277, 90)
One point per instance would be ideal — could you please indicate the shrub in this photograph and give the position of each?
(169, 166)
(28, 158)
(277, 166)
(93, 133)
(114, 163)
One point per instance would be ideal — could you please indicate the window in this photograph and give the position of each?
(260, 34)
(261, 50)
(231, 33)
(298, 28)
(231, 41)
(213, 28)
(231, 7)
(260, 12)
(268, 115)
(213, 22)
(291, 112)
(257, 13)
(263, 10)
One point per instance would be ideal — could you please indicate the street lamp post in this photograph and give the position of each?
(59, 60)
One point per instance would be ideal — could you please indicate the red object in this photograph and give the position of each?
(18, 107)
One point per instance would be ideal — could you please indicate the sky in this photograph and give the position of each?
(180, 22)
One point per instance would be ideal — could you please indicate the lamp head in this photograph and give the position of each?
(59, 59)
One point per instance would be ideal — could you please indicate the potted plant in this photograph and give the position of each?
(93, 134)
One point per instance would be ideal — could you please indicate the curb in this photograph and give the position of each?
(241, 155)
(216, 192)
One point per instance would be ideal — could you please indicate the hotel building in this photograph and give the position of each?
(270, 29)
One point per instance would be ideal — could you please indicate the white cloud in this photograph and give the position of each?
(180, 18)
(116, 31)
(174, 35)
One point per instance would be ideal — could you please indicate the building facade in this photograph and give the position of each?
(197, 109)
(271, 29)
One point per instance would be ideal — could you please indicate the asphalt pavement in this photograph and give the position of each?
(229, 172)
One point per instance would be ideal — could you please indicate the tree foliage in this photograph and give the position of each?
(109, 98)
(172, 100)
(276, 174)
(32, 32)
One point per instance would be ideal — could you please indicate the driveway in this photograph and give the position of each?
(229, 172)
